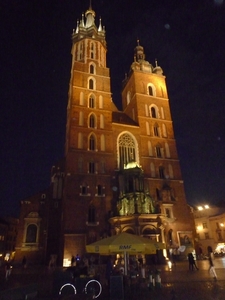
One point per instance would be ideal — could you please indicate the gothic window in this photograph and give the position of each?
(81, 118)
(127, 151)
(92, 51)
(83, 189)
(151, 90)
(167, 150)
(31, 234)
(100, 101)
(156, 130)
(91, 101)
(91, 167)
(80, 140)
(99, 190)
(92, 142)
(91, 214)
(161, 172)
(158, 151)
(92, 121)
(102, 142)
(91, 69)
(102, 121)
(153, 112)
(150, 153)
(91, 84)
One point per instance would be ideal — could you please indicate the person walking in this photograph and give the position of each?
(191, 261)
(211, 263)
(7, 269)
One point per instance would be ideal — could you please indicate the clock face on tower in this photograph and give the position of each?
(114, 188)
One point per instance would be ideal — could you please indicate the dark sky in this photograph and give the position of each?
(186, 37)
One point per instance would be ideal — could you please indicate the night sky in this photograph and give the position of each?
(186, 37)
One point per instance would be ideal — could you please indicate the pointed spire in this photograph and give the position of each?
(77, 29)
(82, 21)
(90, 17)
(90, 6)
(156, 62)
(100, 25)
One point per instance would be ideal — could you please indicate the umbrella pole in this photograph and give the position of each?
(125, 263)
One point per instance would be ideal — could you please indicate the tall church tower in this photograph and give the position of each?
(122, 171)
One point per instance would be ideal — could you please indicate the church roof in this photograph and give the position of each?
(121, 118)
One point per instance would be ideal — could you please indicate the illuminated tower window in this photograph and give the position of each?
(156, 130)
(91, 214)
(92, 69)
(91, 84)
(92, 143)
(161, 172)
(92, 121)
(126, 149)
(91, 101)
(91, 167)
(158, 151)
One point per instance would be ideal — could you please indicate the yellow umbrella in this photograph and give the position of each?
(125, 242)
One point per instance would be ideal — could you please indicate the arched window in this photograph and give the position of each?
(158, 151)
(127, 150)
(91, 69)
(92, 101)
(151, 90)
(92, 50)
(91, 214)
(153, 112)
(91, 84)
(92, 121)
(156, 130)
(31, 234)
(161, 172)
(92, 142)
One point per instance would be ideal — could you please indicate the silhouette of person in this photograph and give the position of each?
(191, 261)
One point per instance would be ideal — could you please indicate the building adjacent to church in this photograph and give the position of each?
(121, 170)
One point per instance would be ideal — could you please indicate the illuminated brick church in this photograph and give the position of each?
(121, 170)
